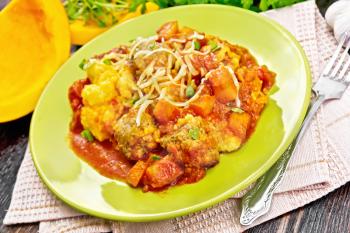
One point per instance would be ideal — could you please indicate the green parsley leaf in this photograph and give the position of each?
(197, 45)
(107, 61)
(156, 157)
(189, 91)
(194, 133)
(101, 23)
(135, 3)
(198, 1)
(83, 63)
(87, 135)
(162, 3)
(102, 12)
(247, 3)
(180, 2)
(214, 46)
(268, 4)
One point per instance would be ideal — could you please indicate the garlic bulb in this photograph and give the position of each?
(338, 17)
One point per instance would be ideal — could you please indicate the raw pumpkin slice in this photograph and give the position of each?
(34, 42)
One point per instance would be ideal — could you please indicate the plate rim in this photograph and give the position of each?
(219, 198)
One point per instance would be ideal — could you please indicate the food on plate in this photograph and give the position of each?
(159, 111)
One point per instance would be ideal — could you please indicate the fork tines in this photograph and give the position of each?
(337, 67)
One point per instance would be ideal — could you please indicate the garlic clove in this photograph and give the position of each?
(338, 17)
(334, 10)
(341, 25)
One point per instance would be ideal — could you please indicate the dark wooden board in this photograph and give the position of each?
(328, 214)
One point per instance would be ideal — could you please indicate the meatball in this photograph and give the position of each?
(136, 141)
(192, 141)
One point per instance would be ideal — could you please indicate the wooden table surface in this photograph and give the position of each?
(328, 214)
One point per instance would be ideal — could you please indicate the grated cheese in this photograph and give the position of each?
(195, 35)
(148, 71)
(177, 40)
(153, 82)
(142, 108)
(140, 41)
(170, 63)
(192, 70)
(176, 55)
(186, 103)
(235, 81)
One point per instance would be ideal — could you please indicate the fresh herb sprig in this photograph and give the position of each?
(257, 5)
(103, 12)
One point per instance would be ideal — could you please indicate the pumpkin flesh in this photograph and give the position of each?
(34, 42)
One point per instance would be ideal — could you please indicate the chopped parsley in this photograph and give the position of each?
(194, 133)
(103, 12)
(107, 61)
(197, 45)
(189, 91)
(156, 157)
(83, 63)
(87, 135)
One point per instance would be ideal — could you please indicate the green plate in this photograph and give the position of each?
(80, 186)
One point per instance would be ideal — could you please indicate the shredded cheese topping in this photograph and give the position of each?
(235, 81)
(156, 77)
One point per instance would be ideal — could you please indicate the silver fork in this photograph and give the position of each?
(332, 83)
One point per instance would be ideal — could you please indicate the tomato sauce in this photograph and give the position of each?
(109, 162)
(102, 156)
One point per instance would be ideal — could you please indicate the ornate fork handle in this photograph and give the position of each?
(258, 200)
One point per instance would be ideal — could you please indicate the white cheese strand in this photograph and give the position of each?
(141, 110)
(170, 64)
(177, 40)
(112, 55)
(192, 70)
(154, 77)
(186, 103)
(140, 41)
(192, 50)
(195, 35)
(176, 55)
(183, 104)
(148, 71)
(236, 83)
(182, 88)
(182, 72)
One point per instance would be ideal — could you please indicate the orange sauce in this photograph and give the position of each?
(102, 156)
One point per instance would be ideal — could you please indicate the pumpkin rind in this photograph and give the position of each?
(34, 42)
